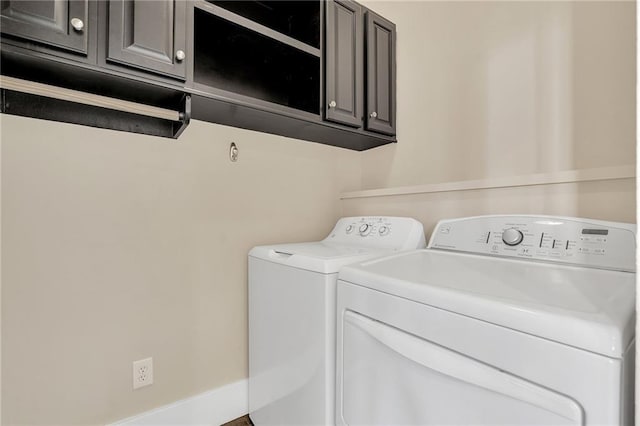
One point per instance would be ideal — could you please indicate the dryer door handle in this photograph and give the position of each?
(466, 369)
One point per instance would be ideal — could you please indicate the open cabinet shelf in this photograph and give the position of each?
(241, 60)
(299, 20)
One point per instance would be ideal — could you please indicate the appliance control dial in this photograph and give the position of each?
(512, 237)
(383, 230)
(364, 229)
(349, 229)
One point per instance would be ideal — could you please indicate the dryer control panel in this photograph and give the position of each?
(584, 242)
(400, 233)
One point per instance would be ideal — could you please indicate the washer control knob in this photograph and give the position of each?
(383, 230)
(349, 229)
(364, 229)
(512, 237)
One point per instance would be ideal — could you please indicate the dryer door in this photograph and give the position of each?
(393, 377)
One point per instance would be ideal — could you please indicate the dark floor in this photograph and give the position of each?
(240, 421)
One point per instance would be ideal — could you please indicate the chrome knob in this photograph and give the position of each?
(373, 115)
(180, 55)
(77, 24)
(332, 104)
(512, 237)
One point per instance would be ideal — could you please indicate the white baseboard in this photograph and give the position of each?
(211, 408)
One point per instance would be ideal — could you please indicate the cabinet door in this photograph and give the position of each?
(149, 34)
(344, 75)
(59, 23)
(381, 75)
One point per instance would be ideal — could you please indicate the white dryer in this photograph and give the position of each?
(292, 312)
(503, 320)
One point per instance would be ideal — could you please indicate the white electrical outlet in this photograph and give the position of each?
(142, 373)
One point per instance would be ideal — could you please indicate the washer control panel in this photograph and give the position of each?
(402, 233)
(585, 242)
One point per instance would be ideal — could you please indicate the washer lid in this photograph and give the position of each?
(588, 308)
(320, 256)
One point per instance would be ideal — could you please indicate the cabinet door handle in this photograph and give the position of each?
(180, 55)
(373, 115)
(332, 104)
(77, 24)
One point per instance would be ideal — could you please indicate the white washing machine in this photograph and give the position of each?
(292, 312)
(503, 320)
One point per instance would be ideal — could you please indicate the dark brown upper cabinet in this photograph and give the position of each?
(149, 34)
(360, 68)
(292, 68)
(344, 62)
(58, 23)
(380, 107)
(317, 70)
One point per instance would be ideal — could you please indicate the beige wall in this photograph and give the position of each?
(118, 247)
(500, 89)
(609, 200)
(490, 89)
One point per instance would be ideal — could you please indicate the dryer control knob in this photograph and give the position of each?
(349, 229)
(364, 229)
(383, 230)
(512, 237)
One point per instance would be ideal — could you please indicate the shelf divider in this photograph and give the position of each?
(254, 26)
